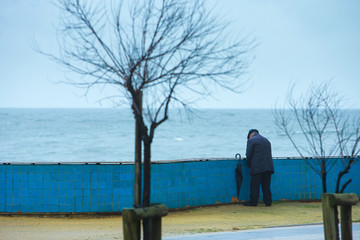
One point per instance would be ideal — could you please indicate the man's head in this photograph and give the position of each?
(251, 133)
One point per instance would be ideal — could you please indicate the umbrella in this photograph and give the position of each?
(238, 174)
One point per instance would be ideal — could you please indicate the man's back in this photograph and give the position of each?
(258, 154)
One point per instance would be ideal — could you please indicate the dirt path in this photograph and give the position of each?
(199, 220)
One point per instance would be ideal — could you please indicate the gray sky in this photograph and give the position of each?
(300, 42)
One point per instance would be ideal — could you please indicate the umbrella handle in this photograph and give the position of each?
(238, 154)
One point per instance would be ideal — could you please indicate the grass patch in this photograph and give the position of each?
(236, 217)
(208, 230)
(218, 218)
(312, 206)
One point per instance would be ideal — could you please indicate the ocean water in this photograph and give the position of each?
(107, 135)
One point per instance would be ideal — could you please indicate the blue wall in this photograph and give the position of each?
(42, 188)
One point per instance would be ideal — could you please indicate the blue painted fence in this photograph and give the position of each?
(77, 188)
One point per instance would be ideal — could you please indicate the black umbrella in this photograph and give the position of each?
(238, 174)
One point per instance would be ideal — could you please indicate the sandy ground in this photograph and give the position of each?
(198, 220)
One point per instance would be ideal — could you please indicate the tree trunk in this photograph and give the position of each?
(138, 142)
(147, 175)
(323, 175)
(147, 185)
(323, 180)
(340, 175)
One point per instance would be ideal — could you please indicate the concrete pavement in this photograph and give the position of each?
(300, 232)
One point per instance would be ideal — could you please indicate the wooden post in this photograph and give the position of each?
(329, 203)
(155, 210)
(155, 228)
(346, 222)
(328, 217)
(152, 214)
(131, 224)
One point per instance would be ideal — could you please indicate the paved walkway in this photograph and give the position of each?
(308, 232)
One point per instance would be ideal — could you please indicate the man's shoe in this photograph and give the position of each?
(250, 204)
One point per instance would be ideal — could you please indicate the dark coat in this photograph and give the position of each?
(258, 155)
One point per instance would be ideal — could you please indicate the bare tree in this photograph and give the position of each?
(328, 130)
(326, 127)
(159, 54)
(351, 150)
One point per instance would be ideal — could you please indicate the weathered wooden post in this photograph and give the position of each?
(131, 224)
(133, 216)
(330, 201)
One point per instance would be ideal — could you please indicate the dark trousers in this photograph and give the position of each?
(263, 179)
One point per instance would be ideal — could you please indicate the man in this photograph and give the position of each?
(259, 160)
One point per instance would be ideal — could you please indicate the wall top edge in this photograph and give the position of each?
(153, 162)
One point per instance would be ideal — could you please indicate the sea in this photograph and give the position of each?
(107, 135)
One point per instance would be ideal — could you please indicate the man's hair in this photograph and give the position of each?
(252, 131)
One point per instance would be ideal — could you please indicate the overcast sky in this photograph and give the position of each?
(300, 42)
